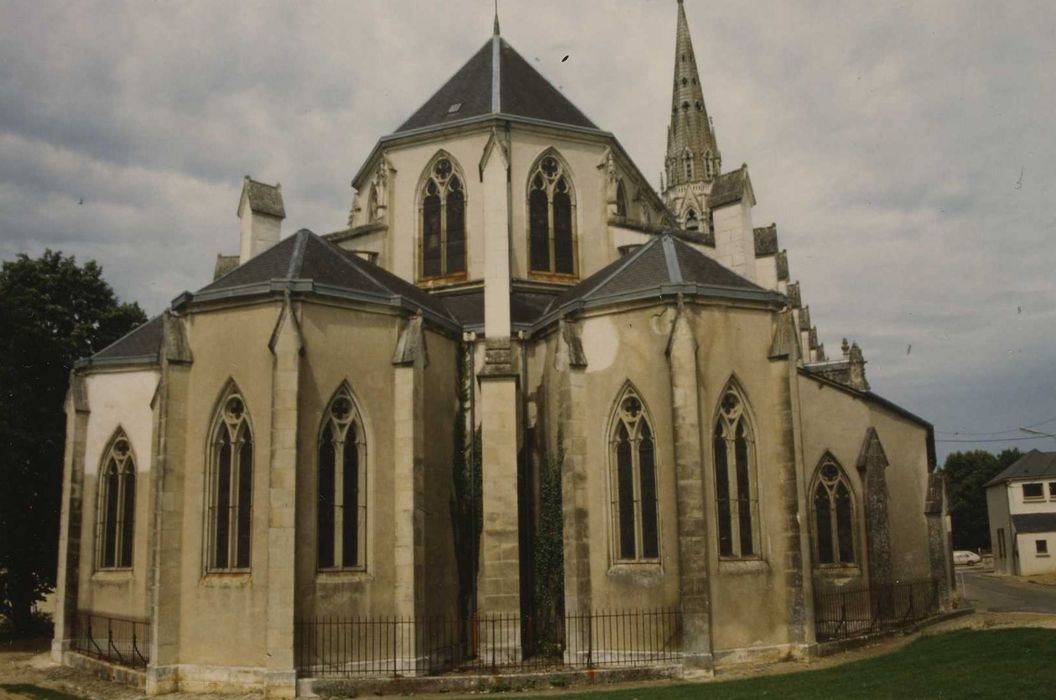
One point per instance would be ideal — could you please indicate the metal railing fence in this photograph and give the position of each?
(342, 647)
(119, 640)
(864, 610)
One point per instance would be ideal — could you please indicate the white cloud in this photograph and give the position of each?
(887, 140)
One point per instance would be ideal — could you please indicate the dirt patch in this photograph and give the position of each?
(1043, 579)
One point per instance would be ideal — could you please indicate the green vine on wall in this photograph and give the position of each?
(467, 518)
(549, 593)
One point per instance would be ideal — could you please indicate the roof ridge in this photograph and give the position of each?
(674, 268)
(605, 280)
(297, 257)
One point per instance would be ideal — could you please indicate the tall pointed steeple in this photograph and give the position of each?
(692, 151)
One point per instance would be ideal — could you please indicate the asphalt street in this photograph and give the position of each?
(985, 591)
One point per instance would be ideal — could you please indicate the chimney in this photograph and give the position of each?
(260, 212)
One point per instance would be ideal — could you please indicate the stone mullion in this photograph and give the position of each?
(551, 234)
(339, 502)
(731, 490)
(636, 487)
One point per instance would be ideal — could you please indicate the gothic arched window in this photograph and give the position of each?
(230, 487)
(633, 490)
(621, 199)
(735, 486)
(692, 221)
(551, 212)
(443, 217)
(116, 517)
(833, 511)
(687, 161)
(342, 503)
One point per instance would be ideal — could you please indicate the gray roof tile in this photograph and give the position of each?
(664, 261)
(1033, 465)
(728, 188)
(1029, 523)
(523, 92)
(264, 198)
(142, 341)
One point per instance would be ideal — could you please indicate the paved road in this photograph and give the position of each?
(986, 591)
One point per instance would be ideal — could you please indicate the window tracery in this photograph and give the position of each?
(551, 211)
(833, 510)
(341, 488)
(443, 220)
(115, 522)
(735, 483)
(230, 487)
(633, 490)
(692, 221)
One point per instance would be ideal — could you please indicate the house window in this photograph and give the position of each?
(735, 487)
(115, 522)
(342, 504)
(443, 217)
(230, 483)
(621, 199)
(1032, 492)
(635, 514)
(551, 211)
(833, 510)
(1052, 490)
(692, 221)
(1041, 547)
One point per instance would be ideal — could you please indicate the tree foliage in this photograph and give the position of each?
(52, 313)
(966, 476)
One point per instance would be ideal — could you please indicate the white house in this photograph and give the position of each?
(1021, 502)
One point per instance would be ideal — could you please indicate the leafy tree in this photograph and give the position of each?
(52, 313)
(966, 476)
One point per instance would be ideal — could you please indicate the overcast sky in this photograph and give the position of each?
(905, 150)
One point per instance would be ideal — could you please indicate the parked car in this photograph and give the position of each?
(963, 557)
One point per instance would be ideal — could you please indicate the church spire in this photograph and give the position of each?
(496, 30)
(692, 152)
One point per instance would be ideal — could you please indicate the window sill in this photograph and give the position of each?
(739, 567)
(227, 579)
(559, 277)
(443, 280)
(112, 575)
(647, 574)
(837, 571)
(336, 576)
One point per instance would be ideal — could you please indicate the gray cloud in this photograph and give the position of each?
(887, 140)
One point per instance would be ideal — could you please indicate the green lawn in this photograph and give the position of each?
(1007, 663)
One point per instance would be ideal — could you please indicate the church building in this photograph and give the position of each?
(514, 334)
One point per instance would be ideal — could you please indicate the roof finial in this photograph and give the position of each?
(496, 17)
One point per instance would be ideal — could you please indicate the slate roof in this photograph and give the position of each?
(509, 86)
(765, 240)
(1027, 523)
(305, 256)
(663, 266)
(264, 198)
(526, 307)
(1033, 465)
(141, 343)
(728, 188)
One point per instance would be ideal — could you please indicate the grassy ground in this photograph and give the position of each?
(1005, 663)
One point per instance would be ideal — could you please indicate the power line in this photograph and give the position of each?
(995, 432)
(1038, 437)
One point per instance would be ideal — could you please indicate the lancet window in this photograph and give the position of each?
(736, 491)
(443, 221)
(692, 221)
(634, 505)
(551, 213)
(833, 510)
(115, 522)
(230, 487)
(342, 504)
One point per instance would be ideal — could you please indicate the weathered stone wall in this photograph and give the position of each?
(117, 399)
